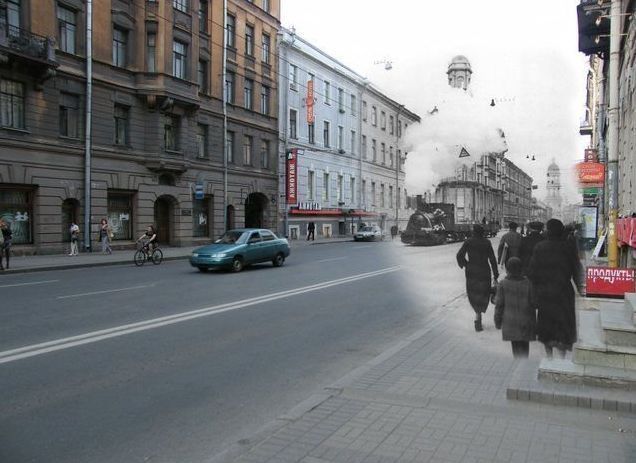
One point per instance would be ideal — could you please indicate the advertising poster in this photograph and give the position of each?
(588, 218)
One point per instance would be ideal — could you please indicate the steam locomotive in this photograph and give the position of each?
(434, 223)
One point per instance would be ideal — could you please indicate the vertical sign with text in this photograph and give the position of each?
(310, 101)
(292, 176)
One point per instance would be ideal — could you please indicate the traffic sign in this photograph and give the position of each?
(198, 191)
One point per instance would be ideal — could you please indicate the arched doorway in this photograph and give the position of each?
(255, 206)
(229, 217)
(164, 219)
(70, 214)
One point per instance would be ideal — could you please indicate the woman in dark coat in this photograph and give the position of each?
(481, 259)
(553, 266)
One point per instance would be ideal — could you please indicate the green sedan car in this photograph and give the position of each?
(238, 248)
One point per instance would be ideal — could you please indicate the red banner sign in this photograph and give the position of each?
(292, 176)
(591, 173)
(605, 281)
(310, 102)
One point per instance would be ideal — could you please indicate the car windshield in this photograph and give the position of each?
(232, 237)
(367, 229)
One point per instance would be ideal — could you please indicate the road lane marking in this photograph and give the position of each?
(29, 283)
(106, 291)
(330, 260)
(100, 335)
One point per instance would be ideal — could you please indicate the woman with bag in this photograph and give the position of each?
(481, 260)
(105, 235)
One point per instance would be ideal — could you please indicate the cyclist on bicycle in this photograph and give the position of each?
(149, 239)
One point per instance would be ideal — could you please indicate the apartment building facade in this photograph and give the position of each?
(159, 151)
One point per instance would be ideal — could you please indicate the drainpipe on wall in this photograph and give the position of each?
(600, 140)
(224, 89)
(398, 160)
(88, 127)
(612, 155)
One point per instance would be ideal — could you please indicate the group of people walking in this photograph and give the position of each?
(535, 300)
(5, 243)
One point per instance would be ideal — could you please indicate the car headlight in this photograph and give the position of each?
(194, 254)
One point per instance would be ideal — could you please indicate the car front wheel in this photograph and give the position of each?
(279, 260)
(237, 264)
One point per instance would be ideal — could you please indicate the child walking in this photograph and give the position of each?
(514, 313)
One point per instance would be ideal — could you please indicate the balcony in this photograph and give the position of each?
(33, 52)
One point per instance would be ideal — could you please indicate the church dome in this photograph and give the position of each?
(553, 167)
(459, 63)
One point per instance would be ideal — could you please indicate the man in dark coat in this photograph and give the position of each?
(481, 259)
(528, 243)
(553, 267)
(311, 229)
(509, 245)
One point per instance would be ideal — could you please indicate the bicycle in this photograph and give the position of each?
(143, 254)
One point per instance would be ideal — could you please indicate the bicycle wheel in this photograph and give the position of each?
(140, 258)
(157, 256)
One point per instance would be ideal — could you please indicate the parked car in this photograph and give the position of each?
(369, 233)
(241, 247)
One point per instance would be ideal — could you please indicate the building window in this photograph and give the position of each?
(374, 116)
(69, 115)
(248, 94)
(390, 196)
(151, 52)
(171, 132)
(122, 125)
(203, 15)
(10, 15)
(364, 192)
(202, 140)
(340, 191)
(11, 104)
(341, 138)
(265, 48)
(325, 187)
(382, 195)
(293, 123)
(202, 76)
(230, 32)
(325, 134)
(66, 28)
(327, 92)
(265, 154)
(398, 198)
(247, 151)
(120, 42)
(266, 5)
(365, 111)
(383, 151)
(354, 104)
(249, 40)
(120, 215)
(311, 185)
(383, 120)
(352, 188)
(373, 193)
(16, 208)
(229, 87)
(265, 99)
(200, 218)
(229, 146)
(399, 128)
(353, 142)
(179, 59)
(364, 146)
(391, 156)
(374, 150)
(311, 133)
(341, 100)
(181, 5)
(293, 77)
(391, 125)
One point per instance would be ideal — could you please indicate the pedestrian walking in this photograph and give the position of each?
(311, 229)
(553, 266)
(74, 230)
(5, 243)
(509, 244)
(481, 259)
(514, 313)
(528, 243)
(105, 235)
(394, 231)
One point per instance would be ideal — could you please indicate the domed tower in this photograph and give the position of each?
(459, 72)
(553, 186)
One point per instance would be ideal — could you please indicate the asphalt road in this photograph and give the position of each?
(166, 364)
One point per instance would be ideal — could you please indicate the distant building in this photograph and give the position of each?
(459, 72)
(553, 186)
(517, 194)
(540, 211)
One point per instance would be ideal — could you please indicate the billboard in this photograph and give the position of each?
(291, 177)
(590, 174)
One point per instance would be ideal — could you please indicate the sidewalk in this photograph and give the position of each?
(39, 263)
(439, 396)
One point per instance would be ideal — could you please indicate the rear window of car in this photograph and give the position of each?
(267, 236)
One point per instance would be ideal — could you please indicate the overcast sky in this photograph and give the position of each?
(522, 52)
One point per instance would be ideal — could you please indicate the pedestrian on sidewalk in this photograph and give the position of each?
(509, 244)
(481, 259)
(514, 313)
(529, 242)
(74, 239)
(394, 232)
(553, 266)
(105, 235)
(311, 229)
(5, 246)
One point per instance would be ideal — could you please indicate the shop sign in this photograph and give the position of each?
(309, 206)
(591, 155)
(605, 281)
(186, 212)
(292, 176)
(591, 173)
(198, 191)
(309, 101)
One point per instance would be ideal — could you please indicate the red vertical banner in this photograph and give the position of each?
(309, 101)
(292, 176)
